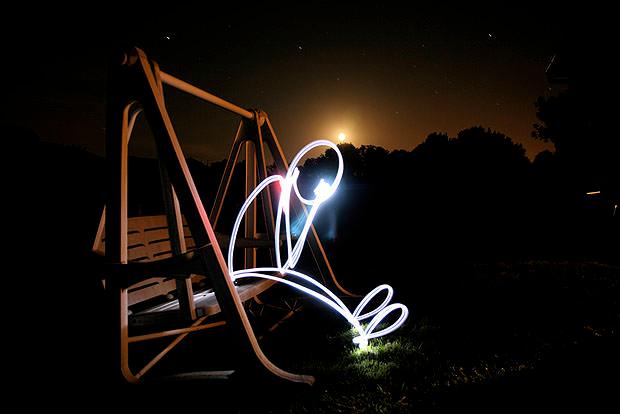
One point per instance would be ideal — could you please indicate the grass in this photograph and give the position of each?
(516, 331)
(502, 336)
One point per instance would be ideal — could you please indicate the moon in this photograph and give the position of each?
(342, 137)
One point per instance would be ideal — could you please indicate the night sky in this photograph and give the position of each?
(383, 76)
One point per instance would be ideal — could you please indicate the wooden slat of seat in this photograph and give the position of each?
(147, 222)
(157, 247)
(144, 236)
(135, 237)
(156, 234)
(139, 252)
(206, 301)
(157, 286)
(160, 287)
(144, 284)
(149, 240)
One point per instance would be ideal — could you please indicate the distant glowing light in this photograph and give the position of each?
(311, 287)
(322, 190)
(342, 137)
(593, 192)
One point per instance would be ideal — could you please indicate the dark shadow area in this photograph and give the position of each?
(510, 268)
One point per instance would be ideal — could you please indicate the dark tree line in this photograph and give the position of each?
(475, 196)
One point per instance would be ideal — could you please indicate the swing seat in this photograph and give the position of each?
(144, 281)
(152, 271)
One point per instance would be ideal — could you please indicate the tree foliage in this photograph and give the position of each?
(556, 124)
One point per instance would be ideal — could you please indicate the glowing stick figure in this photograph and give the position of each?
(322, 192)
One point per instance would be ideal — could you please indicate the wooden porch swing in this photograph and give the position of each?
(154, 264)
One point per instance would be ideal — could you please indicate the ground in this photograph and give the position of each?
(518, 335)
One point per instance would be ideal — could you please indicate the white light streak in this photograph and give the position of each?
(311, 287)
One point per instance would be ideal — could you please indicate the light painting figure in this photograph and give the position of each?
(285, 273)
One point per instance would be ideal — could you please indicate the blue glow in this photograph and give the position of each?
(322, 192)
(297, 225)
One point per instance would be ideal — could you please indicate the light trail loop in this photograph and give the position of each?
(310, 286)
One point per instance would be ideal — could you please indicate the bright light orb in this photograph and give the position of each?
(322, 190)
(342, 137)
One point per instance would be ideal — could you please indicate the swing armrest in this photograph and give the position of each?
(126, 274)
